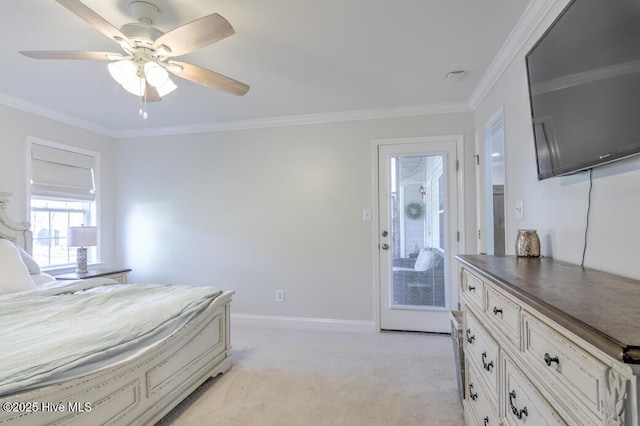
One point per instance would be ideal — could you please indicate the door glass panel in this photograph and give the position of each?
(417, 231)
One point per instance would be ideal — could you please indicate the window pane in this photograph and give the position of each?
(40, 228)
(50, 219)
(417, 231)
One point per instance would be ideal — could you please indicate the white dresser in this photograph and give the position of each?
(547, 342)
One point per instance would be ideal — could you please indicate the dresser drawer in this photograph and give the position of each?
(524, 405)
(482, 405)
(504, 313)
(569, 369)
(473, 289)
(482, 350)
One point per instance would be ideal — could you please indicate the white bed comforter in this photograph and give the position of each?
(45, 332)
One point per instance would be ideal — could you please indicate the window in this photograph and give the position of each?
(63, 194)
(49, 222)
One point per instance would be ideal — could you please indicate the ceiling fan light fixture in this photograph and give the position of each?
(135, 86)
(143, 70)
(155, 74)
(122, 71)
(167, 87)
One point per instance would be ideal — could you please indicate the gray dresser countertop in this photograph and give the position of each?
(601, 308)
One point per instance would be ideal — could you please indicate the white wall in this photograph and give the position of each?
(16, 126)
(557, 207)
(258, 210)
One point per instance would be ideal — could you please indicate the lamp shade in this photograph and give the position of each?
(82, 236)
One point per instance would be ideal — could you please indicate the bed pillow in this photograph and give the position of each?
(424, 262)
(42, 278)
(14, 275)
(31, 264)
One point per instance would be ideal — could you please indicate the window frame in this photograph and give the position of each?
(94, 216)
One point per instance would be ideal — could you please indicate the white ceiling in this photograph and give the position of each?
(300, 57)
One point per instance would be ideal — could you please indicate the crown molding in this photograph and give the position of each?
(532, 17)
(261, 123)
(301, 120)
(23, 105)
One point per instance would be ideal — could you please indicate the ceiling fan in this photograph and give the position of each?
(143, 69)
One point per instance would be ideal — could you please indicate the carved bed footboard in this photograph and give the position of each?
(139, 391)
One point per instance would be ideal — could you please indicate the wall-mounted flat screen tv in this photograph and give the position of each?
(584, 87)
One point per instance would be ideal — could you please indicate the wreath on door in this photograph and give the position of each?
(414, 211)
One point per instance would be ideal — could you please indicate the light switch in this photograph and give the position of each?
(519, 209)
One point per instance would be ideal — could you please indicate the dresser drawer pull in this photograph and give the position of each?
(549, 360)
(470, 338)
(496, 311)
(514, 410)
(471, 288)
(486, 366)
(472, 395)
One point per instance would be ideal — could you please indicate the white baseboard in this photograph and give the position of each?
(299, 323)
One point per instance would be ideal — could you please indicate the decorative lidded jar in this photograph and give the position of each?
(527, 243)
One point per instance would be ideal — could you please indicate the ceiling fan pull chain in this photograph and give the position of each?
(140, 106)
(142, 112)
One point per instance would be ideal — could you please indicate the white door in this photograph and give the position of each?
(417, 233)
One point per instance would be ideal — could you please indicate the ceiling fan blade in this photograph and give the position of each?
(95, 20)
(151, 93)
(69, 54)
(195, 35)
(207, 77)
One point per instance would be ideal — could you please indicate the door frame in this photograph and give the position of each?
(375, 223)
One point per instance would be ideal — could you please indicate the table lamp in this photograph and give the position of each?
(82, 237)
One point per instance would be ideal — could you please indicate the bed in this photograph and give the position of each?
(136, 380)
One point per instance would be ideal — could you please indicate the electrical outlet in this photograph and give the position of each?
(279, 296)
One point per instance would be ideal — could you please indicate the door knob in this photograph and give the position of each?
(385, 246)
(385, 233)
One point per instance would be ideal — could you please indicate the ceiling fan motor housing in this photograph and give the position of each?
(141, 34)
(144, 12)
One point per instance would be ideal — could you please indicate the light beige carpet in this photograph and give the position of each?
(284, 377)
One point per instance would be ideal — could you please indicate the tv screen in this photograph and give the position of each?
(584, 87)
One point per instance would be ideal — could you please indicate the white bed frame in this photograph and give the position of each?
(139, 391)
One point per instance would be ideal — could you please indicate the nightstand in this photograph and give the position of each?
(119, 275)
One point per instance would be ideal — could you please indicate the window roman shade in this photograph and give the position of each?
(58, 173)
